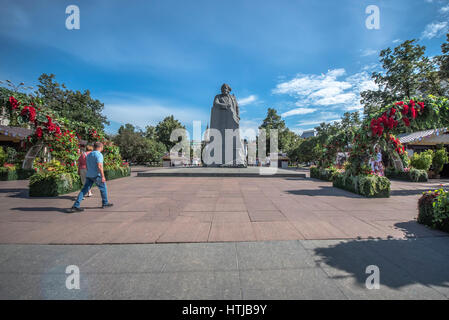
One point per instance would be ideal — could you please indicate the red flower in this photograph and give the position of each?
(400, 103)
(406, 121)
(13, 102)
(39, 132)
(392, 111)
(413, 110)
(405, 109)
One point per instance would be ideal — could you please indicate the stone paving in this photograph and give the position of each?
(296, 269)
(213, 209)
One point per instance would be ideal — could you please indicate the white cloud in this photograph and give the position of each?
(368, 52)
(248, 100)
(326, 90)
(298, 111)
(435, 29)
(397, 40)
(444, 9)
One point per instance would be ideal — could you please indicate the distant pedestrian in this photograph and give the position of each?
(82, 165)
(94, 174)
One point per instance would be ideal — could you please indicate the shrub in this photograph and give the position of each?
(52, 184)
(115, 173)
(327, 174)
(440, 158)
(10, 172)
(422, 161)
(370, 186)
(417, 175)
(434, 209)
(413, 175)
(3, 156)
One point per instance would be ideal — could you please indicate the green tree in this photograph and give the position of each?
(77, 107)
(287, 139)
(407, 72)
(443, 61)
(307, 151)
(135, 147)
(164, 129)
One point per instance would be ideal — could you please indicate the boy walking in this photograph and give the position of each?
(95, 174)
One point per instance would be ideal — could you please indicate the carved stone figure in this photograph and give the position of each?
(225, 119)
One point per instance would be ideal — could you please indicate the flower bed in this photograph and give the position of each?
(52, 184)
(433, 209)
(370, 186)
(11, 172)
(115, 173)
(413, 175)
(327, 174)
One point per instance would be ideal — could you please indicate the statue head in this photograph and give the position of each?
(225, 89)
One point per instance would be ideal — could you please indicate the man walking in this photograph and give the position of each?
(95, 174)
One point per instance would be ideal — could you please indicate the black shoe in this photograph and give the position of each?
(75, 209)
(107, 205)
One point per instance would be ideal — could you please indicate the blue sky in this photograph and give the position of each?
(149, 59)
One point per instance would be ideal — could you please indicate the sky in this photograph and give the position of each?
(149, 59)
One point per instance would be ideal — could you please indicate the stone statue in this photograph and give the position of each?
(225, 119)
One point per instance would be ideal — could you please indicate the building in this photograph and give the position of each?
(13, 136)
(308, 134)
(175, 160)
(423, 140)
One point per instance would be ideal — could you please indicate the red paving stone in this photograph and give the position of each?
(190, 209)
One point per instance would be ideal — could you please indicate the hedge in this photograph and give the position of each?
(121, 172)
(414, 175)
(433, 209)
(53, 184)
(9, 174)
(370, 186)
(47, 184)
(327, 174)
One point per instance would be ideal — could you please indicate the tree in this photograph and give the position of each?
(136, 147)
(407, 72)
(164, 129)
(306, 152)
(77, 107)
(287, 140)
(443, 61)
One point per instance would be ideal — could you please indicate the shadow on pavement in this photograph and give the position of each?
(325, 191)
(40, 209)
(401, 262)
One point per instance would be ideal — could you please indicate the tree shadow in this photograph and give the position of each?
(325, 191)
(401, 262)
(15, 192)
(40, 209)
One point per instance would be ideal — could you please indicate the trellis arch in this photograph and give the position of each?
(400, 117)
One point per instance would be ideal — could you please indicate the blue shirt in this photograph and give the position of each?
(93, 159)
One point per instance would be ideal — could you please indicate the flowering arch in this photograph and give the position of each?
(399, 117)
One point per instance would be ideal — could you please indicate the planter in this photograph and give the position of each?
(52, 185)
(370, 186)
(414, 175)
(116, 173)
(327, 174)
(15, 174)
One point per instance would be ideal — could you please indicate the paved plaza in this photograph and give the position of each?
(211, 209)
(221, 238)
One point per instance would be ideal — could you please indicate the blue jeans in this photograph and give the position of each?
(89, 183)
